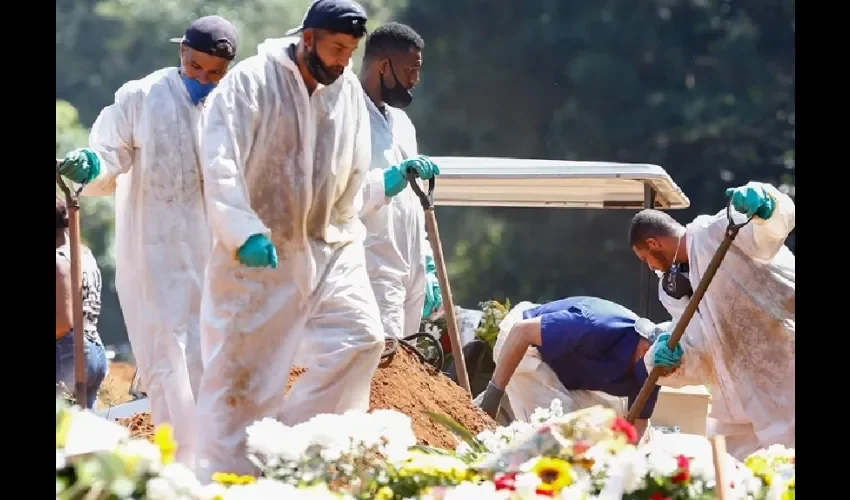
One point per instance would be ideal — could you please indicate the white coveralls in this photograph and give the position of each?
(292, 166)
(396, 244)
(534, 384)
(148, 141)
(741, 341)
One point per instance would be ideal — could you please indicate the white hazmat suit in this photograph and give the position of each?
(741, 341)
(293, 166)
(148, 141)
(396, 244)
(534, 384)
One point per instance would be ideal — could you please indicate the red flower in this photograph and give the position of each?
(622, 425)
(505, 481)
(684, 474)
(580, 447)
(544, 492)
(656, 495)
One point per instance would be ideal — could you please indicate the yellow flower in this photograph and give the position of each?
(231, 479)
(64, 427)
(418, 463)
(554, 474)
(385, 493)
(164, 439)
(760, 468)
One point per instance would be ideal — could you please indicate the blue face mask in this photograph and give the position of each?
(197, 90)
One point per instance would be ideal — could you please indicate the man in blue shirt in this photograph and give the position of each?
(581, 350)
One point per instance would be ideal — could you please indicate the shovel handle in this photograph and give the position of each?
(427, 200)
(70, 196)
(72, 200)
(648, 385)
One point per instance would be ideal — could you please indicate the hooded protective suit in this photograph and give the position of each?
(741, 341)
(535, 384)
(147, 141)
(293, 166)
(396, 243)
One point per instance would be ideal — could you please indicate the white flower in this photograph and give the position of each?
(661, 464)
(397, 430)
(631, 463)
(483, 491)
(160, 488)
(526, 483)
(60, 459)
(182, 478)
(579, 490)
(142, 454)
(261, 490)
(210, 491)
(271, 439)
(123, 487)
(328, 432)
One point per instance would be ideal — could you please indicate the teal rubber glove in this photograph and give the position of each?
(258, 251)
(395, 178)
(663, 356)
(433, 297)
(80, 165)
(430, 266)
(752, 199)
(422, 165)
(394, 182)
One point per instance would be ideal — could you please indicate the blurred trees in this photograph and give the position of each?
(704, 88)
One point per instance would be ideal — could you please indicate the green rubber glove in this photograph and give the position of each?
(663, 356)
(433, 297)
(80, 165)
(394, 182)
(258, 251)
(752, 199)
(422, 165)
(430, 266)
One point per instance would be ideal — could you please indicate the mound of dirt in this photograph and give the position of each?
(404, 384)
(401, 383)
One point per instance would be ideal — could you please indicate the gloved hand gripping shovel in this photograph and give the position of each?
(73, 202)
(731, 232)
(427, 201)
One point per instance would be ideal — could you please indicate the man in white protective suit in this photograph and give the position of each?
(398, 255)
(144, 149)
(741, 341)
(286, 156)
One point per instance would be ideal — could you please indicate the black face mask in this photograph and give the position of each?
(318, 70)
(675, 282)
(398, 96)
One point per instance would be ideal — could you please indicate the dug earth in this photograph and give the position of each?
(404, 384)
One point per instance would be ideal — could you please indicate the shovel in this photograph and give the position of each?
(427, 201)
(731, 232)
(73, 202)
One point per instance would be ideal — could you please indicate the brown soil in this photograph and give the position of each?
(403, 384)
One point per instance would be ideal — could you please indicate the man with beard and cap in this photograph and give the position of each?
(584, 351)
(286, 154)
(741, 341)
(144, 149)
(398, 256)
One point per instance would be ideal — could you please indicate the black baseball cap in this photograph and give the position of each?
(213, 35)
(338, 16)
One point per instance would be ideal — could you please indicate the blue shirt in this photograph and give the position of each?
(589, 343)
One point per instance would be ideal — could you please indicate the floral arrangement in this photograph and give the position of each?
(589, 454)
(494, 313)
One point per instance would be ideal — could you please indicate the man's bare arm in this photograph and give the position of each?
(523, 335)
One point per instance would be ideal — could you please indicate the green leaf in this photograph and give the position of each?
(458, 430)
(430, 450)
